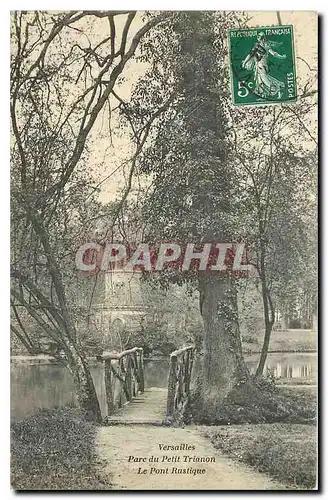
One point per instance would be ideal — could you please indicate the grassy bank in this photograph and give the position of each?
(54, 450)
(287, 452)
(288, 340)
(254, 401)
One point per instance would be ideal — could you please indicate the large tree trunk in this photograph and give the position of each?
(223, 365)
(85, 389)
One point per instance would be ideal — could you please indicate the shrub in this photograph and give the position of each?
(154, 341)
(250, 339)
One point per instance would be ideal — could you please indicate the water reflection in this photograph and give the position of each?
(287, 366)
(35, 385)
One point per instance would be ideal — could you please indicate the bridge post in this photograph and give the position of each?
(178, 389)
(128, 379)
(108, 387)
(171, 385)
(141, 371)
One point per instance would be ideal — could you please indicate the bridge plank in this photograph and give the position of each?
(147, 408)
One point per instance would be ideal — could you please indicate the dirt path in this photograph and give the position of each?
(117, 444)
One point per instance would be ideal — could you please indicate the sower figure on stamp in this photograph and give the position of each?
(257, 61)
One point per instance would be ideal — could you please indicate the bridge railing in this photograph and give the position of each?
(181, 362)
(124, 377)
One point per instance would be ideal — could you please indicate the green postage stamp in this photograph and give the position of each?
(262, 64)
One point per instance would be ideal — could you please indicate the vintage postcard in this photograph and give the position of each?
(164, 250)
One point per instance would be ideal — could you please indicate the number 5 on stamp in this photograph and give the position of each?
(262, 65)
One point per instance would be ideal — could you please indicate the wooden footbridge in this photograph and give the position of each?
(129, 402)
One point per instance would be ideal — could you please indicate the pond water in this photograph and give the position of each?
(37, 385)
